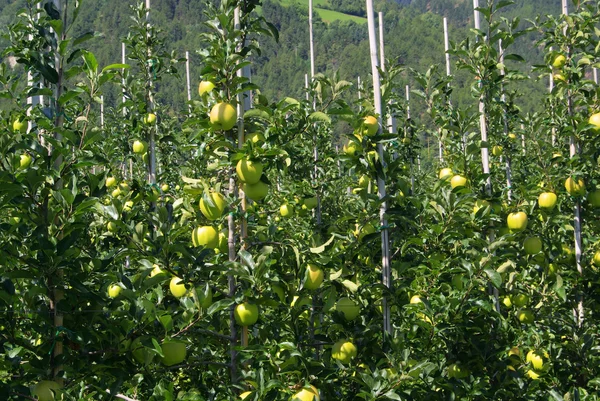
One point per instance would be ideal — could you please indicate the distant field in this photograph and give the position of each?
(326, 15)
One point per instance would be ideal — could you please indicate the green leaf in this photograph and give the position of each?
(494, 277)
(219, 306)
(319, 116)
(321, 249)
(116, 67)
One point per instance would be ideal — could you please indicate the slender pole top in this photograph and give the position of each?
(478, 14)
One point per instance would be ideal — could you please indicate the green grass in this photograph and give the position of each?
(329, 16)
(326, 15)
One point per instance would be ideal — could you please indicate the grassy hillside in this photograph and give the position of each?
(321, 7)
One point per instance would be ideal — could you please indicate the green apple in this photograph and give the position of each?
(174, 352)
(371, 125)
(150, 119)
(310, 203)
(559, 61)
(536, 359)
(249, 171)
(111, 182)
(205, 87)
(520, 300)
(507, 302)
(215, 211)
(257, 191)
(313, 277)
(526, 316)
(286, 210)
(363, 181)
(547, 200)
(223, 116)
(351, 148)
(348, 308)
(497, 150)
(156, 270)
(594, 198)
(139, 147)
(46, 390)
(112, 226)
(114, 290)
(457, 371)
(246, 314)
(595, 121)
(344, 351)
(307, 394)
(458, 181)
(445, 174)
(517, 221)
(164, 187)
(177, 287)
(255, 137)
(24, 161)
(206, 236)
(575, 188)
(19, 126)
(532, 245)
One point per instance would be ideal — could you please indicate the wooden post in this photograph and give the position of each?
(448, 73)
(151, 107)
(188, 82)
(485, 160)
(385, 250)
(506, 128)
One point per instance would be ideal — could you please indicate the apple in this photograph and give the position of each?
(351, 148)
(177, 287)
(246, 314)
(255, 137)
(139, 147)
(19, 126)
(547, 200)
(24, 161)
(205, 87)
(348, 308)
(532, 245)
(140, 353)
(215, 211)
(458, 181)
(223, 116)
(480, 204)
(595, 121)
(310, 203)
(371, 125)
(344, 351)
(594, 198)
(415, 299)
(174, 352)
(111, 182)
(311, 394)
(514, 352)
(286, 210)
(205, 236)
(536, 359)
(156, 270)
(223, 243)
(507, 302)
(128, 206)
(256, 191)
(520, 300)
(575, 188)
(445, 174)
(458, 372)
(497, 150)
(525, 316)
(164, 187)
(559, 61)
(596, 258)
(112, 227)
(248, 171)
(46, 390)
(363, 181)
(512, 136)
(313, 277)
(559, 77)
(517, 221)
(114, 290)
(150, 119)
